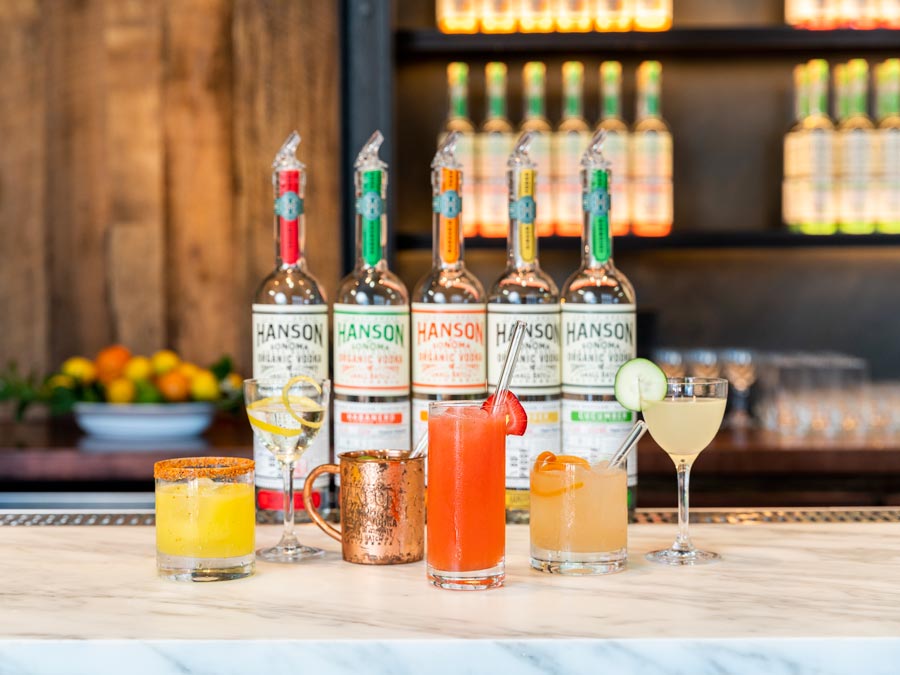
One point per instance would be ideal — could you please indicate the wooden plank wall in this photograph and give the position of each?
(137, 138)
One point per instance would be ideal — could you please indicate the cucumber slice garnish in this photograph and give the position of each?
(637, 377)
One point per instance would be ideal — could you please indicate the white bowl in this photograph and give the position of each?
(144, 421)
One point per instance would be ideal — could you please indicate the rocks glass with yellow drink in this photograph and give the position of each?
(579, 516)
(205, 518)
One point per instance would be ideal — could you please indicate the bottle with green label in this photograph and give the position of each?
(816, 164)
(371, 327)
(887, 76)
(525, 292)
(597, 332)
(856, 155)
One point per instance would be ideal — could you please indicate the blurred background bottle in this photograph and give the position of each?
(615, 147)
(458, 120)
(888, 160)
(854, 158)
(614, 15)
(534, 77)
(493, 144)
(569, 143)
(457, 16)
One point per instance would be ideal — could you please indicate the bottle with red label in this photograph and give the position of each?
(290, 330)
(448, 303)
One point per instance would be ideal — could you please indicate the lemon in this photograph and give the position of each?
(204, 386)
(164, 361)
(138, 368)
(80, 369)
(61, 382)
(120, 390)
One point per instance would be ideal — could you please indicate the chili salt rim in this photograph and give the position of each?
(202, 467)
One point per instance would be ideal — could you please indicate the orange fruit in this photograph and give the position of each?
(120, 390)
(204, 386)
(173, 386)
(188, 369)
(164, 361)
(138, 368)
(81, 369)
(111, 362)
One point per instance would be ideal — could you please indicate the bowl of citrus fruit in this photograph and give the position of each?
(125, 396)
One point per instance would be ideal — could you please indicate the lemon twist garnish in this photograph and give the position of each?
(303, 402)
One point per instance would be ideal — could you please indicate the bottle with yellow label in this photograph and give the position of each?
(525, 292)
(448, 311)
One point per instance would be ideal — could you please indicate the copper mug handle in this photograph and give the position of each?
(317, 518)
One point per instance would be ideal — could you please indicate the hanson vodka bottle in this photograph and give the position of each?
(598, 330)
(290, 327)
(525, 292)
(371, 327)
(448, 312)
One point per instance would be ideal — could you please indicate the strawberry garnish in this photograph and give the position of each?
(516, 417)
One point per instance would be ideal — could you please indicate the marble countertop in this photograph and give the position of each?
(786, 598)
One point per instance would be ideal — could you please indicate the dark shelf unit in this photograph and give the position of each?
(680, 241)
(758, 41)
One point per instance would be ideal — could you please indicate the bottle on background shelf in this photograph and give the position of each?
(493, 144)
(855, 155)
(536, 16)
(290, 330)
(457, 16)
(889, 14)
(795, 197)
(888, 146)
(534, 77)
(499, 16)
(371, 327)
(597, 330)
(569, 143)
(841, 100)
(525, 292)
(614, 15)
(652, 15)
(859, 14)
(458, 120)
(448, 305)
(650, 162)
(818, 212)
(615, 147)
(574, 16)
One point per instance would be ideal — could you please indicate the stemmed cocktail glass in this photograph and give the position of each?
(286, 415)
(683, 424)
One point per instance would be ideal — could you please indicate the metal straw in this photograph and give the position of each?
(509, 365)
(638, 430)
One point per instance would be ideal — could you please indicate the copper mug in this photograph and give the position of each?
(382, 506)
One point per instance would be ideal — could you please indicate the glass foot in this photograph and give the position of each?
(289, 554)
(478, 580)
(672, 556)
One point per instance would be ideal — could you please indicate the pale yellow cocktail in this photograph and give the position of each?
(684, 426)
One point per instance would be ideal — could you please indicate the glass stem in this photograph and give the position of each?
(683, 540)
(287, 539)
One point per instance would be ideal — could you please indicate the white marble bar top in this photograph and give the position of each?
(786, 598)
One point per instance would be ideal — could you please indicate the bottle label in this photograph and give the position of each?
(371, 350)
(289, 208)
(370, 208)
(652, 154)
(596, 340)
(595, 430)
(523, 211)
(537, 371)
(449, 207)
(543, 433)
(448, 348)
(493, 196)
(596, 208)
(370, 426)
(290, 340)
(569, 148)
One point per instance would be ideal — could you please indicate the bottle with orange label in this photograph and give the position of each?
(448, 310)
(525, 292)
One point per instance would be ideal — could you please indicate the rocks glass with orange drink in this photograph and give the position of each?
(579, 516)
(467, 491)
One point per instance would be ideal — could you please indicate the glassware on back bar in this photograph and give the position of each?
(887, 161)
(615, 147)
(683, 424)
(525, 292)
(534, 77)
(651, 159)
(458, 120)
(286, 415)
(457, 16)
(569, 142)
(493, 144)
(205, 518)
(290, 324)
(448, 304)
(598, 332)
(856, 206)
(371, 327)
(466, 526)
(739, 368)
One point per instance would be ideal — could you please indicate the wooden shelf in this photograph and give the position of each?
(759, 41)
(681, 240)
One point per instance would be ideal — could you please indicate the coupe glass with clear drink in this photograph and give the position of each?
(683, 424)
(286, 415)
